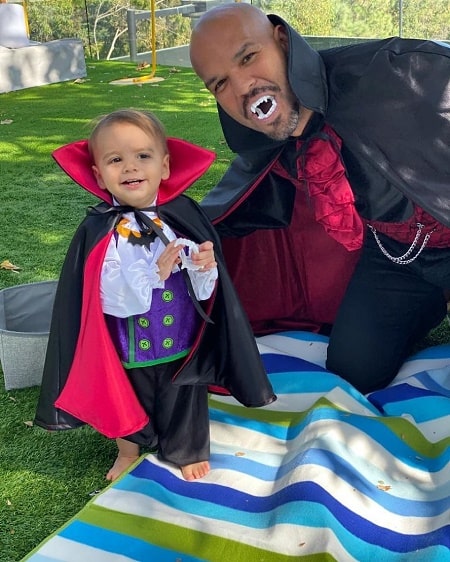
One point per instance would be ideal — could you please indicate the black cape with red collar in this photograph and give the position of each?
(388, 100)
(83, 380)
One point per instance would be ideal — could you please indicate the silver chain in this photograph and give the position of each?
(401, 260)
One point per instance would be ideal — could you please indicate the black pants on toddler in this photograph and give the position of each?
(179, 415)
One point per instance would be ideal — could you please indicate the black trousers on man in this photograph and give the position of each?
(387, 309)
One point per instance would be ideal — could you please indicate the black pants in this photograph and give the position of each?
(387, 309)
(179, 415)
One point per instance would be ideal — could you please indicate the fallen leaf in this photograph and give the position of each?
(6, 122)
(8, 502)
(6, 264)
(28, 423)
(382, 486)
(239, 454)
(79, 81)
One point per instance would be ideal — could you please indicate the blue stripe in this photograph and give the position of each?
(420, 403)
(373, 427)
(401, 392)
(434, 352)
(304, 382)
(277, 363)
(436, 502)
(303, 504)
(432, 506)
(422, 410)
(432, 384)
(118, 543)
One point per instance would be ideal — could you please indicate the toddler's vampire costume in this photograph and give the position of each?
(84, 379)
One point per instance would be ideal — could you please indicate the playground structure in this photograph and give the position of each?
(132, 17)
(25, 63)
(190, 8)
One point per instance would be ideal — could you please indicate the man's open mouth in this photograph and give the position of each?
(263, 107)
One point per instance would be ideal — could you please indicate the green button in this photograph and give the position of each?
(143, 322)
(167, 343)
(145, 344)
(168, 320)
(167, 296)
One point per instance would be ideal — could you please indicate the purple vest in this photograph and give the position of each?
(164, 333)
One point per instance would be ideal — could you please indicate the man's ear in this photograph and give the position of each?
(281, 37)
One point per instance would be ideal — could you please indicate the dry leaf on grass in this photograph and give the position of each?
(6, 264)
(6, 122)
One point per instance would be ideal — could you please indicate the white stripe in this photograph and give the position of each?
(313, 351)
(368, 457)
(435, 430)
(415, 366)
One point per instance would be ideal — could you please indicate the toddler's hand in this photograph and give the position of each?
(169, 257)
(204, 258)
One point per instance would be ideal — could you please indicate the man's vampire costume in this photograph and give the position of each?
(376, 151)
(84, 380)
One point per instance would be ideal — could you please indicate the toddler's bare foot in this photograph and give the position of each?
(195, 470)
(120, 465)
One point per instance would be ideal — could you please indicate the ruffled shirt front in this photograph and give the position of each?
(130, 271)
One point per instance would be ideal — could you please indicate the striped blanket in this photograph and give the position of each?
(322, 474)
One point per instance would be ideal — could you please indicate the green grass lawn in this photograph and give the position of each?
(45, 478)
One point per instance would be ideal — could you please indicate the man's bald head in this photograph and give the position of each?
(218, 22)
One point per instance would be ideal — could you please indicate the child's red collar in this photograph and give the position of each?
(188, 162)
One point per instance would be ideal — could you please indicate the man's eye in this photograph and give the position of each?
(219, 85)
(247, 58)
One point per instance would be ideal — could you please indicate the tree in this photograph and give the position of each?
(54, 19)
(429, 20)
(306, 16)
(366, 18)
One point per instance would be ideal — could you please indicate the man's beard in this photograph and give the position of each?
(282, 130)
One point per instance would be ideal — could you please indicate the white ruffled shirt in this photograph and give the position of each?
(130, 271)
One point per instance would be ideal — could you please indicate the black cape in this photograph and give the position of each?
(83, 373)
(388, 100)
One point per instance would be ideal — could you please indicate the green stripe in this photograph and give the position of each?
(401, 427)
(188, 541)
(174, 357)
(131, 338)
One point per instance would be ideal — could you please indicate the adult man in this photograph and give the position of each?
(343, 159)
